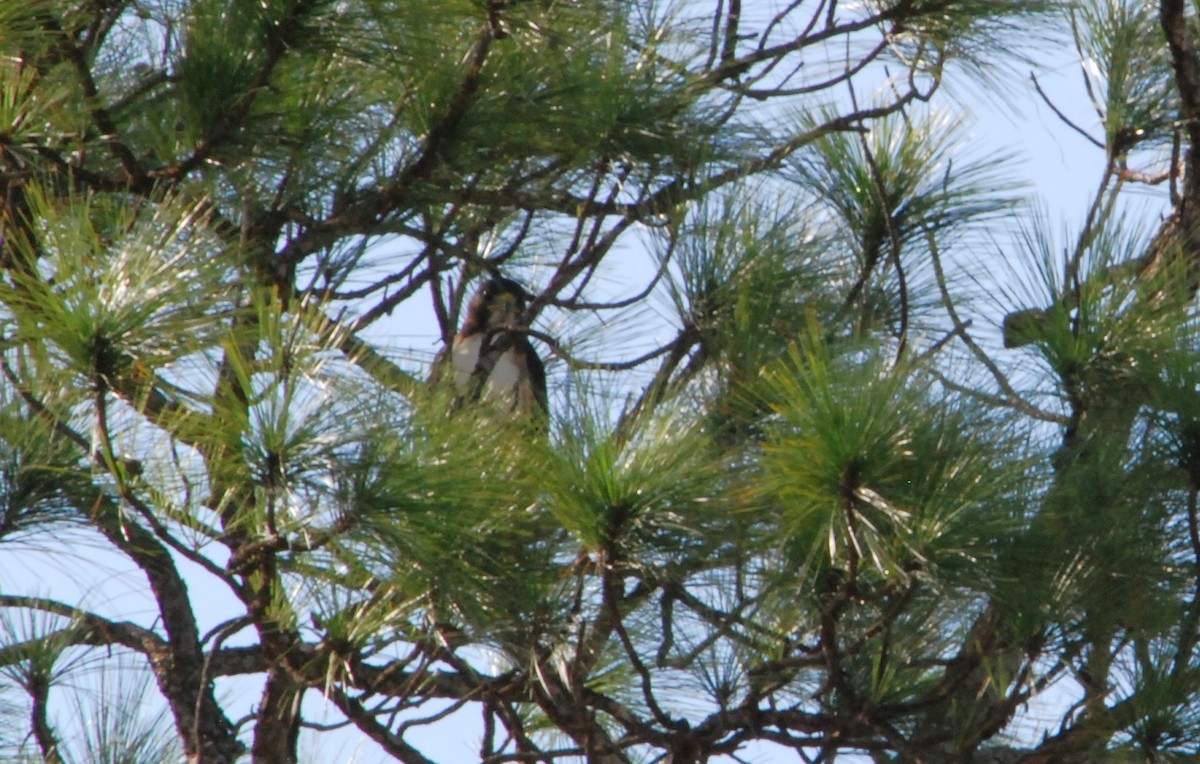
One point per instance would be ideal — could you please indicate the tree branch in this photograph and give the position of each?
(88, 629)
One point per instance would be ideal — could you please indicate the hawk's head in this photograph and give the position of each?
(499, 304)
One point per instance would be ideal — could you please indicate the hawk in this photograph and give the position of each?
(491, 357)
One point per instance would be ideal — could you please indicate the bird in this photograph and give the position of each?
(491, 357)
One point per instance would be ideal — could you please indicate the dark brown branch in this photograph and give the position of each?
(277, 726)
(145, 87)
(577, 304)
(579, 363)
(135, 176)
(118, 470)
(1133, 176)
(89, 629)
(610, 587)
(762, 94)
(658, 388)
(441, 132)
(1175, 24)
(38, 687)
(178, 666)
(1191, 615)
(389, 303)
(885, 207)
(276, 46)
(1177, 27)
(365, 215)
(729, 44)
(775, 53)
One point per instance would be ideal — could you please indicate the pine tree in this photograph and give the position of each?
(847, 452)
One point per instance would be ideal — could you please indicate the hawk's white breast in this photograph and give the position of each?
(465, 355)
(507, 373)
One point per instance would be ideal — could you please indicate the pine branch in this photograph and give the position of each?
(89, 629)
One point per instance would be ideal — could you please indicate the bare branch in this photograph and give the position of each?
(1063, 117)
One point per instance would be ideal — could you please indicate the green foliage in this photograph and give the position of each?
(448, 520)
(866, 473)
(1105, 328)
(1135, 90)
(972, 34)
(38, 485)
(649, 500)
(751, 272)
(886, 192)
(111, 283)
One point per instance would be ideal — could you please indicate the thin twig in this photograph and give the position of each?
(893, 236)
(1065, 119)
(1012, 397)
